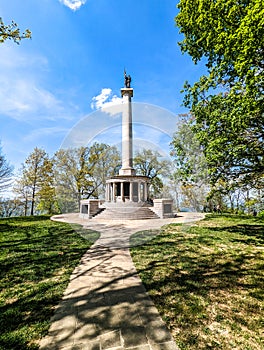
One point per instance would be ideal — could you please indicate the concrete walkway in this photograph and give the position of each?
(105, 305)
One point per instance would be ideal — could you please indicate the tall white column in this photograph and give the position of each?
(127, 144)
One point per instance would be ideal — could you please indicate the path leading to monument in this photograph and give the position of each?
(105, 305)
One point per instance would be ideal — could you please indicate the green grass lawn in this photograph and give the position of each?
(207, 281)
(37, 258)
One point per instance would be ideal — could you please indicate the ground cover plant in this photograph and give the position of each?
(207, 281)
(37, 258)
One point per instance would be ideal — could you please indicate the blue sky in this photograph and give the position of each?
(74, 65)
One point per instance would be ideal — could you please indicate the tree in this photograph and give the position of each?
(227, 103)
(106, 162)
(11, 207)
(33, 178)
(47, 193)
(152, 164)
(6, 172)
(190, 166)
(81, 173)
(189, 159)
(12, 32)
(72, 176)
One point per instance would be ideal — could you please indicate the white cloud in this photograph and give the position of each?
(105, 100)
(73, 4)
(23, 97)
(21, 94)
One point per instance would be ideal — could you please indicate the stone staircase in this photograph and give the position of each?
(127, 213)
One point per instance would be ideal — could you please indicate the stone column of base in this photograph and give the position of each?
(122, 191)
(145, 191)
(131, 191)
(139, 192)
(107, 193)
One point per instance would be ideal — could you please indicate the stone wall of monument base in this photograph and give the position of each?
(89, 208)
(163, 208)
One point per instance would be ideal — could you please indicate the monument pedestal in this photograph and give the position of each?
(127, 189)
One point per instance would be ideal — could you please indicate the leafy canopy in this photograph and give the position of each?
(227, 103)
(151, 163)
(12, 32)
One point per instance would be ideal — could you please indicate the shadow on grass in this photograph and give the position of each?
(186, 270)
(250, 234)
(226, 266)
(37, 258)
(25, 219)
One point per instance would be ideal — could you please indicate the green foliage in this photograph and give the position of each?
(232, 137)
(35, 185)
(152, 164)
(72, 174)
(261, 215)
(52, 185)
(190, 166)
(11, 207)
(190, 162)
(207, 281)
(48, 203)
(12, 32)
(37, 258)
(106, 163)
(228, 102)
(81, 173)
(228, 33)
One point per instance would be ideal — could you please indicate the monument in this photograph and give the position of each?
(127, 194)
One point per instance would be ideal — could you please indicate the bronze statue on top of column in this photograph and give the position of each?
(127, 80)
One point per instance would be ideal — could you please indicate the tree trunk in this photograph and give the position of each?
(32, 202)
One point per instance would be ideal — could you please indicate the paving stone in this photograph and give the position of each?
(148, 313)
(67, 322)
(46, 344)
(73, 347)
(111, 320)
(93, 345)
(133, 336)
(171, 345)
(127, 315)
(57, 343)
(118, 297)
(77, 291)
(157, 332)
(62, 313)
(140, 347)
(111, 340)
(85, 332)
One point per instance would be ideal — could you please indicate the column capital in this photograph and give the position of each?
(127, 91)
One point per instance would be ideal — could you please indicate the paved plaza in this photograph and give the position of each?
(105, 305)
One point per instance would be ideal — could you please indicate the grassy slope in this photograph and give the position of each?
(207, 281)
(37, 258)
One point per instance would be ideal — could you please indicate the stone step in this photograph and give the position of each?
(138, 213)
